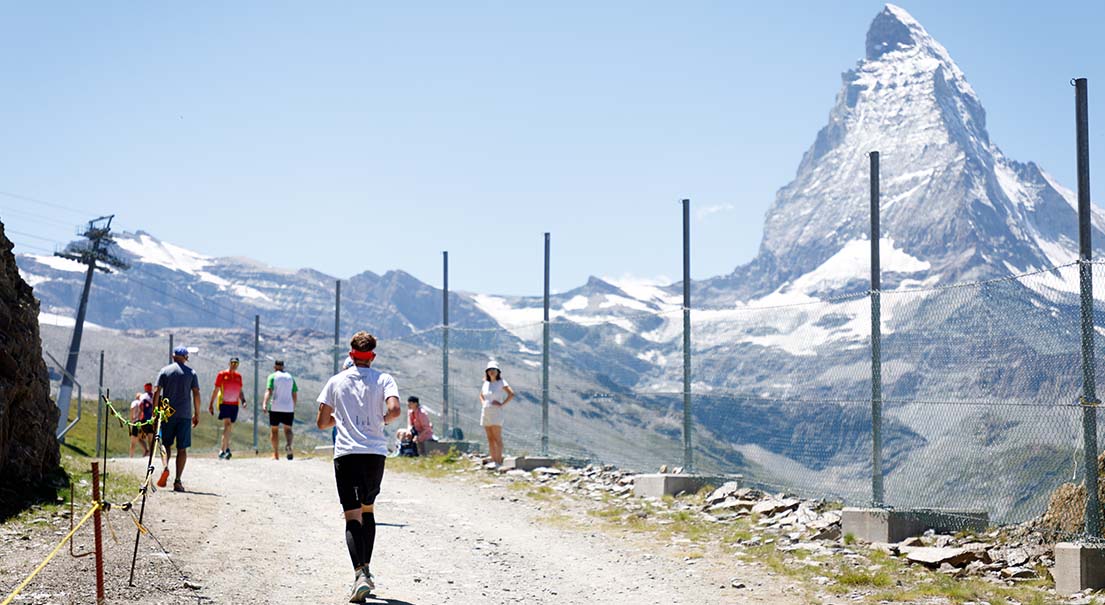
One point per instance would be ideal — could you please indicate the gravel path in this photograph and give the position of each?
(258, 530)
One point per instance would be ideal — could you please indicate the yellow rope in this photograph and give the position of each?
(95, 507)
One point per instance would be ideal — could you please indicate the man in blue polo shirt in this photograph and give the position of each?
(178, 383)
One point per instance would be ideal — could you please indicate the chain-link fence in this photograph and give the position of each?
(981, 386)
(980, 399)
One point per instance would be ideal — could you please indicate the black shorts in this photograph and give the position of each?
(276, 418)
(227, 410)
(133, 431)
(147, 429)
(359, 477)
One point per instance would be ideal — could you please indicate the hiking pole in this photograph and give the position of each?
(144, 489)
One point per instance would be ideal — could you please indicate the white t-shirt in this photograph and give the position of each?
(494, 391)
(359, 399)
(136, 404)
(282, 385)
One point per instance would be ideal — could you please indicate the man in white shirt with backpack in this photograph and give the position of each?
(359, 401)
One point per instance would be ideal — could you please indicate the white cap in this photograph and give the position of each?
(492, 365)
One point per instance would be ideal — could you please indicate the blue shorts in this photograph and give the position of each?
(178, 430)
(228, 411)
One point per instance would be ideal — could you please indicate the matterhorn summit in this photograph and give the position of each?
(951, 202)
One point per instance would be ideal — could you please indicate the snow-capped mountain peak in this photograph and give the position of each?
(950, 197)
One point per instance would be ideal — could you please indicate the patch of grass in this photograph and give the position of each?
(558, 520)
(849, 539)
(861, 578)
(435, 466)
(542, 492)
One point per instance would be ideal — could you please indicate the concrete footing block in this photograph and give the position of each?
(672, 484)
(887, 525)
(528, 463)
(443, 447)
(1078, 567)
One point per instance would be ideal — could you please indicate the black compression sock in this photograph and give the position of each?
(354, 540)
(368, 529)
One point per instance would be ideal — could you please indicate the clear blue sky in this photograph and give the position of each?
(371, 136)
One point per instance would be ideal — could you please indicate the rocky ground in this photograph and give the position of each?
(454, 530)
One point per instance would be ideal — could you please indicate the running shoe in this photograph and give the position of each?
(362, 586)
(178, 486)
(222, 455)
(163, 479)
(228, 454)
(290, 455)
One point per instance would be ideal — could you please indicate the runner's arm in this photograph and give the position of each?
(509, 394)
(265, 403)
(196, 402)
(393, 410)
(325, 418)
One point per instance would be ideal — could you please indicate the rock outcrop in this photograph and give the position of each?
(1066, 509)
(29, 456)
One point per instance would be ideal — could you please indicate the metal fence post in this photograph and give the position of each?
(545, 361)
(98, 533)
(445, 343)
(337, 326)
(256, 374)
(100, 409)
(1085, 271)
(876, 340)
(688, 426)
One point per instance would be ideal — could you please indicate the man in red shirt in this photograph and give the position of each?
(228, 387)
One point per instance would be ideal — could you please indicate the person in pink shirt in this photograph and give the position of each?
(418, 423)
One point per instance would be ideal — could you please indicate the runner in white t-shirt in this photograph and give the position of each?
(359, 402)
(283, 393)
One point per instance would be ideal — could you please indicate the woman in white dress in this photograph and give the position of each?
(494, 395)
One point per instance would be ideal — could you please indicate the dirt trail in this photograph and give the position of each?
(258, 530)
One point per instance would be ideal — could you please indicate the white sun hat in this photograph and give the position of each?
(492, 365)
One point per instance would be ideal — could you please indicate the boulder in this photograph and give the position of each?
(722, 493)
(931, 556)
(29, 455)
(773, 506)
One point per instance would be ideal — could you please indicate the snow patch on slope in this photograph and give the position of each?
(154, 252)
(64, 321)
(58, 263)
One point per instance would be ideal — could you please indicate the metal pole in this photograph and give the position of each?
(545, 361)
(100, 407)
(688, 448)
(103, 401)
(96, 524)
(256, 374)
(337, 325)
(876, 339)
(445, 343)
(170, 347)
(65, 390)
(1085, 270)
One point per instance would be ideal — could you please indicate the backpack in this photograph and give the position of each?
(408, 448)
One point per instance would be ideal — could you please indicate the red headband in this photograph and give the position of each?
(362, 355)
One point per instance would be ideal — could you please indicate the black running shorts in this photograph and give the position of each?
(278, 418)
(359, 477)
(227, 410)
